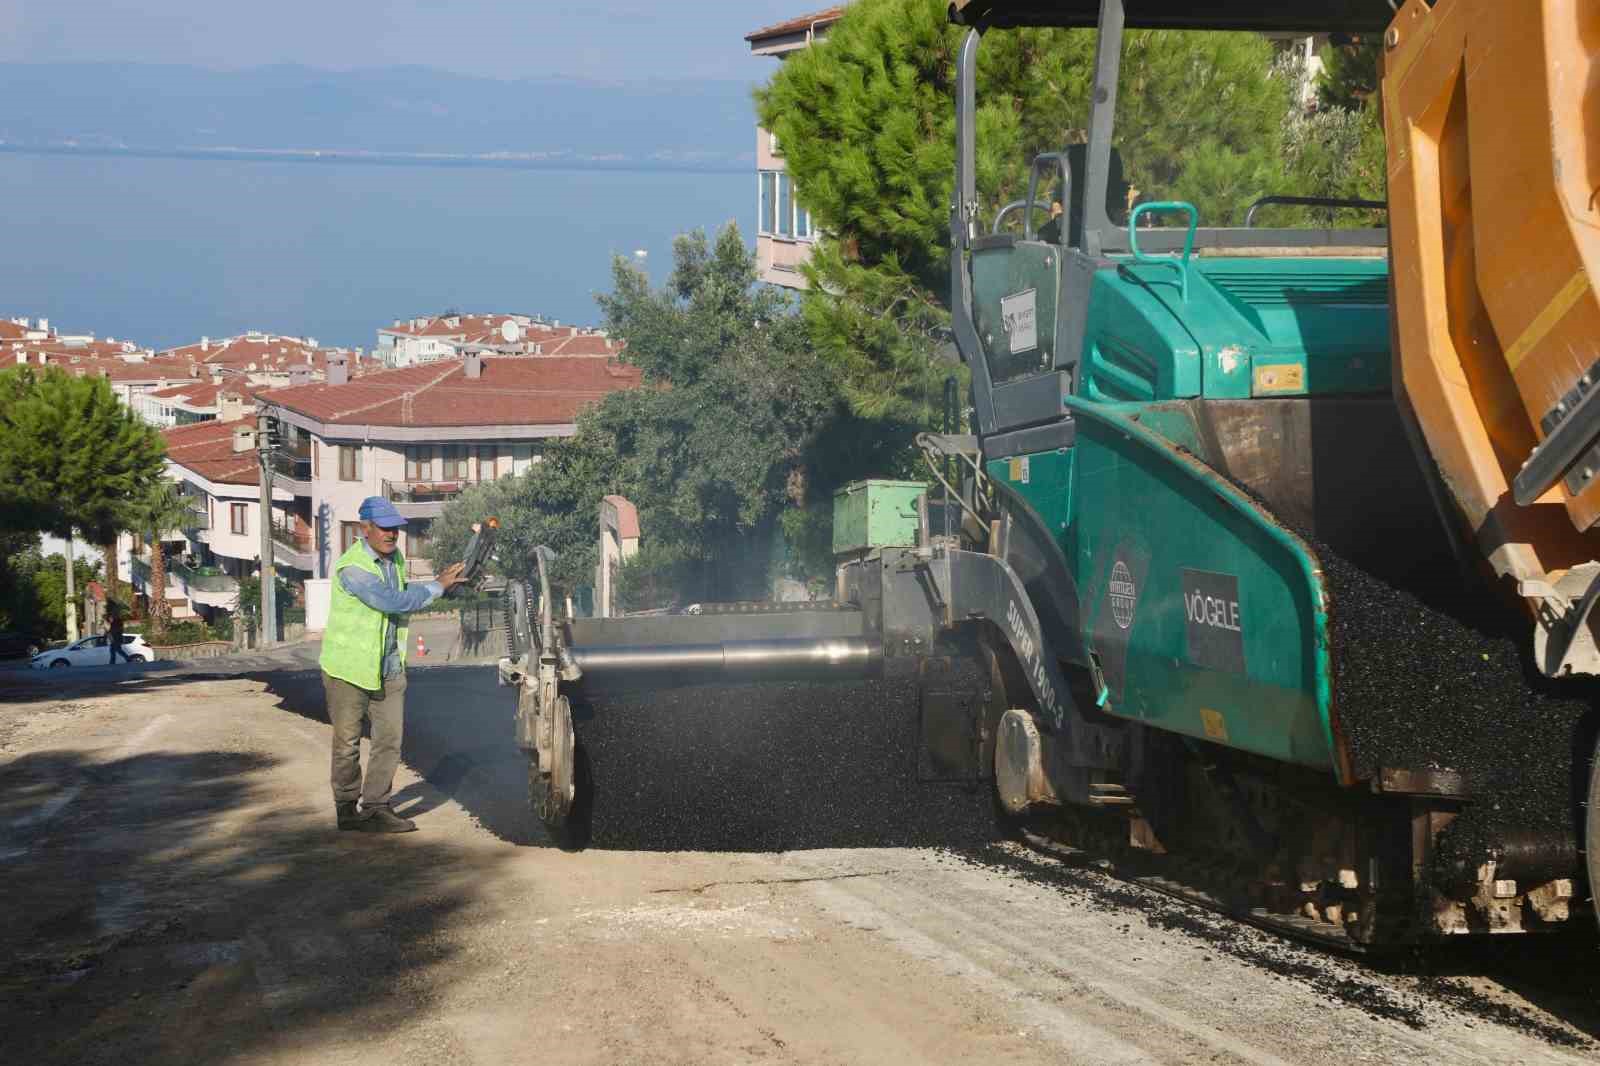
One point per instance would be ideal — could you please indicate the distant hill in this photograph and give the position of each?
(403, 111)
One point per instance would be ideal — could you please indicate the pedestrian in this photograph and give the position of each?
(1050, 232)
(364, 665)
(114, 637)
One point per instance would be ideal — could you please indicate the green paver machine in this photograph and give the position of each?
(1224, 621)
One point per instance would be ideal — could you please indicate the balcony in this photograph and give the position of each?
(293, 546)
(140, 576)
(207, 585)
(198, 518)
(292, 470)
(424, 499)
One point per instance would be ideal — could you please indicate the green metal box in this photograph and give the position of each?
(875, 514)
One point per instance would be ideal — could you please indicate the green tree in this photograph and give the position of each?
(739, 422)
(1349, 78)
(157, 511)
(866, 122)
(247, 601)
(71, 457)
(17, 608)
(36, 591)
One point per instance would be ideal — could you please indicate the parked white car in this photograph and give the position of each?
(94, 651)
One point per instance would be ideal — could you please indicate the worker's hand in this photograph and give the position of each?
(451, 575)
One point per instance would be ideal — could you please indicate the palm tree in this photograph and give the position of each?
(161, 509)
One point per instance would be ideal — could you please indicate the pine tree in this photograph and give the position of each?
(1349, 77)
(71, 457)
(866, 121)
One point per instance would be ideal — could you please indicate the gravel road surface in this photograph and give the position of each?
(176, 892)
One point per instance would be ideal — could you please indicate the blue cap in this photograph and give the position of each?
(380, 512)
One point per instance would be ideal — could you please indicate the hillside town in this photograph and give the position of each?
(439, 403)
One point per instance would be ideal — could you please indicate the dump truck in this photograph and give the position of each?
(1268, 568)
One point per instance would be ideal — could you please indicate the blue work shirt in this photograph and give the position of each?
(385, 594)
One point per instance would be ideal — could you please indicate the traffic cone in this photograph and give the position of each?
(422, 649)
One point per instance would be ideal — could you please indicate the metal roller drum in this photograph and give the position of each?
(800, 658)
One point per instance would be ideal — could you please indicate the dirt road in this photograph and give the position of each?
(175, 892)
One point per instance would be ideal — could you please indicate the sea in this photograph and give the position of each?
(164, 251)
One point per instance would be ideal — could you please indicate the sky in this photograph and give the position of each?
(610, 40)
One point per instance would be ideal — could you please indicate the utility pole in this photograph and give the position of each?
(269, 572)
(72, 593)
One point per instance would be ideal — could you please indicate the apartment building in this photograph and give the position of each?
(784, 232)
(131, 372)
(421, 435)
(210, 399)
(429, 339)
(215, 465)
(22, 329)
(193, 382)
(267, 360)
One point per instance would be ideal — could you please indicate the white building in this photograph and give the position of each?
(420, 436)
(784, 233)
(216, 467)
(429, 339)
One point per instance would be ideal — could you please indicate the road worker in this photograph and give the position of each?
(364, 665)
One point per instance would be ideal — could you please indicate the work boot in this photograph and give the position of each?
(349, 817)
(384, 820)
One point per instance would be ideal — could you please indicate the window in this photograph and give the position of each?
(785, 205)
(769, 201)
(781, 213)
(349, 462)
(237, 522)
(455, 463)
(417, 539)
(488, 460)
(419, 463)
(349, 533)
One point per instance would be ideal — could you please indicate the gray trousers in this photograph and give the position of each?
(348, 705)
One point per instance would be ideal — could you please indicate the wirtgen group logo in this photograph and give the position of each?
(1123, 595)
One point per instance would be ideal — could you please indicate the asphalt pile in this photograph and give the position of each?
(1450, 684)
(1550, 970)
(769, 767)
(1147, 912)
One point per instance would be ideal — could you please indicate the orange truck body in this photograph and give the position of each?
(1492, 116)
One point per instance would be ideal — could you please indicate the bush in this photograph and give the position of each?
(187, 631)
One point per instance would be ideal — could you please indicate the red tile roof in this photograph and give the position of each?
(207, 449)
(797, 25)
(266, 351)
(63, 351)
(11, 331)
(116, 369)
(207, 393)
(582, 344)
(472, 328)
(512, 391)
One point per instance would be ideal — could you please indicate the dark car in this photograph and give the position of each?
(13, 645)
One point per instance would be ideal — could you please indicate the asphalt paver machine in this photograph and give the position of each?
(1271, 566)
